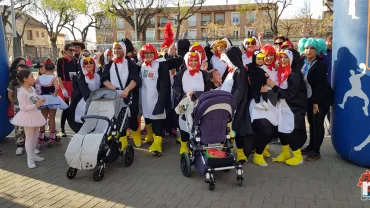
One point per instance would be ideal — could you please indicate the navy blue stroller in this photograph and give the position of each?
(209, 131)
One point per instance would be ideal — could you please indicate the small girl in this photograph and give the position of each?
(48, 87)
(29, 117)
(215, 81)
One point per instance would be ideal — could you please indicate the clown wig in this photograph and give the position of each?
(318, 43)
(148, 48)
(269, 49)
(218, 43)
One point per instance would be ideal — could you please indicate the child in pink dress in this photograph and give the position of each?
(29, 117)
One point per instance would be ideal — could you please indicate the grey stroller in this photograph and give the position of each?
(210, 146)
(96, 143)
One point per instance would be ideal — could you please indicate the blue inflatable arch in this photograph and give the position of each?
(351, 81)
(5, 126)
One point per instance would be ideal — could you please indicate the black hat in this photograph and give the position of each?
(182, 46)
(78, 43)
(129, 46)
(235, 56)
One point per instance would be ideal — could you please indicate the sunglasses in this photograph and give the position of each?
(278, 43)
(72, 50)
(250, 43)
(88, 62)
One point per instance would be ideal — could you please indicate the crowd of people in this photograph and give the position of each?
(274, 86)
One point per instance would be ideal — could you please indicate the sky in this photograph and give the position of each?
(289, 12)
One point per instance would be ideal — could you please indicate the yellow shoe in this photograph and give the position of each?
(284, 155)
(259, 160)
(184, 147)
(178, 140)
(266, 152)
(136, 137)
(149, 133)
(240, 156)
(297, 158)
(156, 146)
(124, 142)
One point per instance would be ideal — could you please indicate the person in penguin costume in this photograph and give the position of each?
(122, 74)
(154, 95)
(88, 80)
(188, 82)
(291, 90)
(199, 48)
(214, 53)
(250, 44)
(237, 84)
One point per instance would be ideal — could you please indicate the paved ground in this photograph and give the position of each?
(158, 182)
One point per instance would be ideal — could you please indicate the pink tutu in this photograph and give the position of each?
(32, 118)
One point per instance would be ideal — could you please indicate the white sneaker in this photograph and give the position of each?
(31, 163)
(37, 151)
(19, 151)
(37, 158)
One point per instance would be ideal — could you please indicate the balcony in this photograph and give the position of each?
(220, 22)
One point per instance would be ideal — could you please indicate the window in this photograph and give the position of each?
(120, 35)
(235, 18)
(236, 33)
(161, 35)
(29, 34)
(150, 34)
(192, 34)
(251, 16)
(249, 31)
(220, 18)
(163, 21)
(192, 21)
(152, 20)
(42, 34)
(37, 34)
(206, 18)
(174, 21)
(120, 23)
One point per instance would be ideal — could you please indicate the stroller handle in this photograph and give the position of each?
(96, 117)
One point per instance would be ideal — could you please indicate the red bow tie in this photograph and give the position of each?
(218, 54)
(148, 63)
(118, 60)
(193, 72)
(90, 75)
(249, 53)
(230, 70)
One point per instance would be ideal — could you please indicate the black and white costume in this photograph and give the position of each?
(248, 56)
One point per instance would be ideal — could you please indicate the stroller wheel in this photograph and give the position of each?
(128, 155)
(71, 173)
(98, 174)
(185, 165)
(211, 186)
(240, 181)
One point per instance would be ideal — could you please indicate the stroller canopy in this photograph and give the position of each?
(106, 94)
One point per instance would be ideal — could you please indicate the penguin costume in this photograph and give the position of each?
(123, 75)
(154, 95)
(88, 80)
(237, 84)
(187, 81)
(250, 44)
(199, 48)
(214, 55)
(291, 91)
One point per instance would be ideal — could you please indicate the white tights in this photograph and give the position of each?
(31, 140)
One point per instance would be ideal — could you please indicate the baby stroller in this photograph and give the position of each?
(209, 144)
(96, 143)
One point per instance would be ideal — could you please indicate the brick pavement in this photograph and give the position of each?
(158, 182)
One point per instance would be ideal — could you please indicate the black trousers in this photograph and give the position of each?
(185, 136)
(157, 125)
(171, 121)
(263, 132)
(316, 122)
(64, 116)
(246, 143)
(295, 140)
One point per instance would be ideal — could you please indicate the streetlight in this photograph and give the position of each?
(135, 18)
(16, 51)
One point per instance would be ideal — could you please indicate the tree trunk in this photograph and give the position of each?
(177, 30)
(54, 48)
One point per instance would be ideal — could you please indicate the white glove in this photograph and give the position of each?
(65, 93)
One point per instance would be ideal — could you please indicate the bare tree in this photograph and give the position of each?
(145, 10)
(329, 4)
(105, 33)
(82, 27)
(289, 26)
(273, 10)
(182, 11)
(56, 14)
(216, 31)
